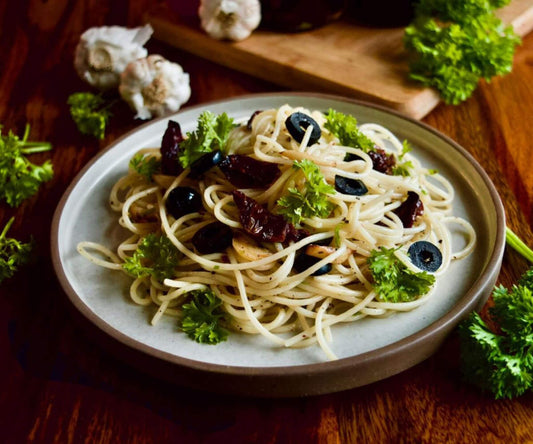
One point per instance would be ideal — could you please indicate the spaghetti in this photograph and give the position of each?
(261, 290)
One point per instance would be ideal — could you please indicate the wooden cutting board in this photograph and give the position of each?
(340, 58)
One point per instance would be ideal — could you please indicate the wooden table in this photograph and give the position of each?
(57, 386)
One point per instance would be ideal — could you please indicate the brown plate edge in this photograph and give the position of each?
(300, 380)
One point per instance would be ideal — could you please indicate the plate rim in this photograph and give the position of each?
(437, 330)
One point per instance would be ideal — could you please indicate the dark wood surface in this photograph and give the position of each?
(57, 385)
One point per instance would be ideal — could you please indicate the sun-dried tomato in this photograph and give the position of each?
(169, 149)
(381, 161)
(247, 172)
(261, 224)
(410, 209)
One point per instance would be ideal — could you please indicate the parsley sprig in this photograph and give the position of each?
(501, 362)
(403, 167)
(202, 317)
(344, 126)
(13, 253)
(90, 113)
(155, 256)
(453, 44)
(312, 199)
(19, 178)
(393, 281)
(145, 165)
(212, 133)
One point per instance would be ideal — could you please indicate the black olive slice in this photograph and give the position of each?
(251, 119)
(323, 242)
(304, 261)
(425, 256)
(297, 123)
(213, 238)
(350, 157)
(182, 201)
(353, 187)
(205, 163)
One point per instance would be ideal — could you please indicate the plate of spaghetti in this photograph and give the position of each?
(279, 244)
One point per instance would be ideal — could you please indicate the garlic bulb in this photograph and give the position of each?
(153, 86)
(229, 19)
(103, 53)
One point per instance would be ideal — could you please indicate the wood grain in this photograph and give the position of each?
(342, 58)
(58, 386)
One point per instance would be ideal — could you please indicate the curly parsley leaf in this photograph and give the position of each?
(344, 127)
(501, 363)
(145, 165)
(13, 253)
(155, 256)
(527, 279)
(312, 199)
(19, 178)
(487, 363)
(90, 113)
(211, 134)
(458, 10)
(453, 45)
(202, 318)
(514, 312)
(393, 281)
(403, 167)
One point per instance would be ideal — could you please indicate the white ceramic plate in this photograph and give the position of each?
(404, 339)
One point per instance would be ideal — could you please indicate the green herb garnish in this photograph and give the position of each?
(312, 199)
(393, 281)
(90, 113)
(145, 165)
(13, 253)
(403, 167)
(518, 245)
(501, 362)
(344, 127)
(19, 178)
(211, 134)
(202, 317)
(155, 256)
(453, 44)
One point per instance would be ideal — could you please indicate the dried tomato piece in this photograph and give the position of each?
(295, 234)
(410, 209)
(247, 172)
(261, 224)
(381, 161)
(169, 149)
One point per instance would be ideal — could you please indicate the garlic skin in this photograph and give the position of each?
(154, 87)
(104, 52)
(229, 19)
